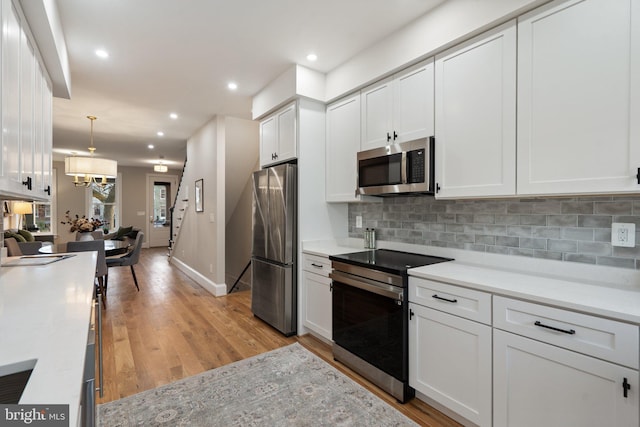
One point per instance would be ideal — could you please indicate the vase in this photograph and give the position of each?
(83, 236)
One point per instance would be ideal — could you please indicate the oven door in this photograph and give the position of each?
(369, 322)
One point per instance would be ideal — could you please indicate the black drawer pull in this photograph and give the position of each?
(444, 299)
(625, 387)
(316, 265)
(570, 331)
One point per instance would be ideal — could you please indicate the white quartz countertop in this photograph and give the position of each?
(45, 313)
(602, 300)
(328, 248)
(603, 291)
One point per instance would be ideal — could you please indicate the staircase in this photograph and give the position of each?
(177, 211)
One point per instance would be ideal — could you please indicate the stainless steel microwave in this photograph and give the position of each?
(397, 169)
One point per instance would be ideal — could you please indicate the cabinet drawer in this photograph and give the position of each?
(316, 264)
(463, 302)
(602, 338)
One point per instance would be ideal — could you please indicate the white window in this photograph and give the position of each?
(103, 202)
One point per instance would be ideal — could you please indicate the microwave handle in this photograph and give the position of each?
(403, 167)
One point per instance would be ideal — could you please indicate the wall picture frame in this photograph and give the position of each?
(199, 194)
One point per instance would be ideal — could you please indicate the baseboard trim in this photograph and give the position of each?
(215, 289)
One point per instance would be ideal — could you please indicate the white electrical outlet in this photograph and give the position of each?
(623, 234)
(358, 221)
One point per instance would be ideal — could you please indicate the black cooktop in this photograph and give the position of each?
(394, 262)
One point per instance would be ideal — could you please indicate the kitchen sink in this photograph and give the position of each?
(14, 379)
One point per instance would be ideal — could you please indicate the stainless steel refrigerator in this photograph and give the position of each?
(273, 258)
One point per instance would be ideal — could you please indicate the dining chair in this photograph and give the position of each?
(30, 248)
(101, 264)
(97, 235)
(130, 259)
(13, 249)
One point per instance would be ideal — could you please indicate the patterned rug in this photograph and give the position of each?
(289, 386)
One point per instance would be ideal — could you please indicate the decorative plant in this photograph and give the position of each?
(81, 223)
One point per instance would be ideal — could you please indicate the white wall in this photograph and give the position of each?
(444, 26)
(223, 153)
(198, 243)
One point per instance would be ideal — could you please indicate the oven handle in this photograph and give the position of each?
(367, 285)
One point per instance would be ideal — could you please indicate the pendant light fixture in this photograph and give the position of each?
(91, 168)
(160, 166)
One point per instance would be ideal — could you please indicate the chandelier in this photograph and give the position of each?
(87, 170)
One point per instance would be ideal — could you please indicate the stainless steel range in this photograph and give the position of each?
(371, 315)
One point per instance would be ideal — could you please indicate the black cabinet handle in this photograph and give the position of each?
(48, 190)
(444, 299)
(27, 183)
(316, 265)
(389, 138)
(411, 314)
(638, 176)
(395, 135)
(437, 187)
(625, 387)
(331, 287)
(570, 331)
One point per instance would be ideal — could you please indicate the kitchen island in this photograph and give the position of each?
(45, 312)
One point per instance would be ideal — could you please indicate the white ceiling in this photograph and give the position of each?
(178, 56)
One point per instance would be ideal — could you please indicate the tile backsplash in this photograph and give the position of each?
(576, 229)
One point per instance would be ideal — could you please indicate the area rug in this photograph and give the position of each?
(289, 386)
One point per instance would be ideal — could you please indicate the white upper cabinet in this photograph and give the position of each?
(26, 140)
(27, 128)
(278, 138)
(399, 108)
(475, 93)
(578, 98)
(10, 165)
(343, 143)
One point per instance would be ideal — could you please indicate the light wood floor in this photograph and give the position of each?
(173, 328)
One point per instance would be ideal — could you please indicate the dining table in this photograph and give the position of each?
(111, 248)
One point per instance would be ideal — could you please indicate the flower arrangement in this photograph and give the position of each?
(81, 224)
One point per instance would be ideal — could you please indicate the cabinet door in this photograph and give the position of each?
(317, 303)
(287, 140)
(268, 140)
(10, 165)
(578, 98)
(476, 116)
(376, 115)
(450, 362)
(343, 143)
(413, 103)
(27, 124)
(47, 131)
(38, 132)
(537, 384)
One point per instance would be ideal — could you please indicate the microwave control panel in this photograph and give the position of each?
(416, 163)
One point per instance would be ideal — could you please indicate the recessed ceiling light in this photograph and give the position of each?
(173, 116)
(312, 57)
(232, 86)
(101, 53)
(160, 133)
(150, 146)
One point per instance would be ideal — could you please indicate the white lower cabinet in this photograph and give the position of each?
(555, 367)
(317, 294)
(450, 362)
(502, 362)
(537, 384)
(450, 356)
